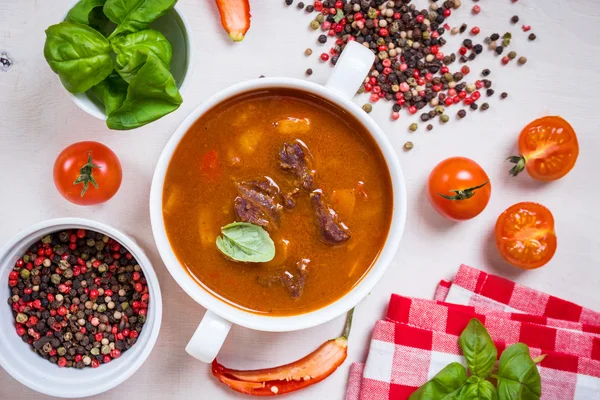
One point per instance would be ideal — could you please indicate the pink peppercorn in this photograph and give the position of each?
(62, 362)
(395, 115)
(374, 97)
(505, 60)
(412, 109)
(324, 56)
(465, 70)
(475, 30)
(526, 28)
(476, 9)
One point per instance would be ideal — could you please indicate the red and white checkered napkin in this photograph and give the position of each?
(420, 337)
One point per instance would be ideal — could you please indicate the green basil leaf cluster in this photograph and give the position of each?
(106, 47)
(246, 242)
(517, 378)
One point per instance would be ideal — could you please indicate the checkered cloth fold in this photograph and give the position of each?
(420, 337)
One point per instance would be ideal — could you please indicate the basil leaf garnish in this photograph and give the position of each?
(478, 348)
(246, 242)
(518, 376)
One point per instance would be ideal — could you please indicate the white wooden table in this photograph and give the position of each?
(37, 120)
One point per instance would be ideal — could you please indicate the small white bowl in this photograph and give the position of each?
(178, 31)
(17, 358)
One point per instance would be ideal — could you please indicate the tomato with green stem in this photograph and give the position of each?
(459, 189)
(548, 149)
(525, 235)
(87, 173)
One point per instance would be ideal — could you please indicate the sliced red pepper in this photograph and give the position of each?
(210, 164)
(289, 377)
(235, 17)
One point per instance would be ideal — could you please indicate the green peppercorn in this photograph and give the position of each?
(507, 35)
(485, 106)
(315, 24)
(101, 308)
(413, 127)
(512, 55)
(95, 351)
(440, 110)
(124, 306)
(367, 107)
(408, 146)
(47, 239)
(506, 42)
(444, 118)
(21, 318)
(320, 18)
(361, 89)
(25, 273)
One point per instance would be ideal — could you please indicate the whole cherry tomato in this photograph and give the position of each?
(87, 173)
(549, 149)
(459, 189)
(525, 235)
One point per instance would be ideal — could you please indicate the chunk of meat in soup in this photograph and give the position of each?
(293, 159)
(258, 202)
(294, 280)
(332, 230)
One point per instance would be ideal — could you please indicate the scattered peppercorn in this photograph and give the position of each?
(495, 36)
(514, 19)
(307, 52)
(463, 28)
(476, 9)
(309, 72)
(444, 118)
(499, 50)
(322, 39)
(300, 5)
(408, 146)
(289, 2)
(429, 127)
(314, 25)
(489, 92)
(82, 302)
(522, 60)
(413, 127)
(485, 72)
(512, 55)
(461, 113)
(503, 95)
(474, 106)
(485, 106)
(532, 36)
(367, 107)
(310, 8)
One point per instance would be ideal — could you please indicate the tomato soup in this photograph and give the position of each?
(302, 169)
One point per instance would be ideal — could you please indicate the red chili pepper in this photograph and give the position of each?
(235, 17)
(290, 377)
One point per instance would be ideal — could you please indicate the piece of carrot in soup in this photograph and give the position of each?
(292, 125)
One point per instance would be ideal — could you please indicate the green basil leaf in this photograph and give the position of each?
(78, 54)
(89, 12)
(246, 242)
(479, 390)
(132, 51)
(446, 385)
(518, 376)
(135, 15)
(152, 94)
(111, 92)
(478, 348)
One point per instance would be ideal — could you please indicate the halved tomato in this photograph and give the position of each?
(548, 147)
(525, 235)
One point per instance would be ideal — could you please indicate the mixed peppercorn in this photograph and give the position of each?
(79, 298)
(410, 68)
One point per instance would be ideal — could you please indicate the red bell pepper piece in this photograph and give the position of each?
(235, 17)
(289, 377)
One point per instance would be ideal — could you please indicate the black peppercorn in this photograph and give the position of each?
(514, 19)
(499, 50)
(322, 39)
(485, 72)
(532, 36)
(490, 92)
(494, 37)
(461, 113)
(289, 2)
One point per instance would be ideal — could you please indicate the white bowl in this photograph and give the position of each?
(17, 358)
(349, 73)
(178, 31)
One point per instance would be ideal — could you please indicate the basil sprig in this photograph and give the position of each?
(105, 47)
(518, 377)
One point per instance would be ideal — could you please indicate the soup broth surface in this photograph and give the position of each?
(240, 140)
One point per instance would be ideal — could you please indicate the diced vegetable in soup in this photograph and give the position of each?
(298, 175)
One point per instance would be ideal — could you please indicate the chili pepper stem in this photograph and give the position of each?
(520, 162)
(86, 175)
(348, 325)
(464, 194)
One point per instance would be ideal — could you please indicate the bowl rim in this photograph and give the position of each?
(81, 100)
(315, 317)
(156, 304)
